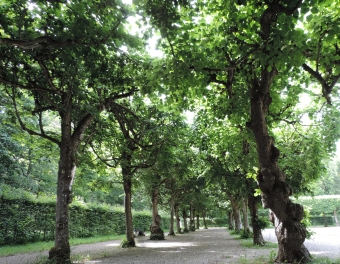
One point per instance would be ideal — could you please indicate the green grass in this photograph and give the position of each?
(41, 246)
(248, 243)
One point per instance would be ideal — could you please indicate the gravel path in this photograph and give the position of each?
(324, 243)
(203, 246)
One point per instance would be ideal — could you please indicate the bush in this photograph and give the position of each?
(25, 220)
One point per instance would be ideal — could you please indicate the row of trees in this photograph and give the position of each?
(73, 74)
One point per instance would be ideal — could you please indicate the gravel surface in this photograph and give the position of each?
(204, 246)
(324, 243)
(213, 245)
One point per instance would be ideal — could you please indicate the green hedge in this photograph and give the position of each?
(318, 220)
(25, 220)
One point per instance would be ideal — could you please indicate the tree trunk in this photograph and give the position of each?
(324, 219)
(245, 216)
(236, 214)
(172, 205)
(128, 213)
(197, 221)
(192, 218)
(60, 253)
(230, 220)
(271, 180)
(178, 222)
(204, 220)
(336, 218)
(185, 222)
(257, 232)
(156, 232)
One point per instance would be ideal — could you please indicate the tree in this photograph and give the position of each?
(64, 59)
(130, 137)
(256, 57)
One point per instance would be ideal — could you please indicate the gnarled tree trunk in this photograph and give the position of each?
(275, 191)
(286, 215)
(156, 232)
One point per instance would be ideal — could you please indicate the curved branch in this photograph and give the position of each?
(23, 126)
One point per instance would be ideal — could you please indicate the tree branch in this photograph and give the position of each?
(23, 126)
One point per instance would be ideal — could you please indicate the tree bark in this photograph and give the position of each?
(257, 232)
(271, 180)
(236, 214)
(178, 222)
(192, 218)
(60, 253)
(197, 221)
(230, 220)
(185, 222)
(128, 212)
(204, 220)
(156, 232)
(172, 205)
(245, 216)
(69, 143)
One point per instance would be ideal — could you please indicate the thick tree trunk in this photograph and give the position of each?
(128, 212)
(178, 222)
(197, 221)
(245, 216)
(156, 232)
(60, 253)
(172, 205)
(257, 232)
(271, 180)
(185, 222)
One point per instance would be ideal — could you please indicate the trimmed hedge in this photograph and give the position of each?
(319, 220)
(25, 221)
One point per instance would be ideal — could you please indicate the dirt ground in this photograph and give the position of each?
(203, 246)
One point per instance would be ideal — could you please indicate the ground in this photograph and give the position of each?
(213, 245)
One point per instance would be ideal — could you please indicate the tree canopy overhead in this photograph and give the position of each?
(245, 68)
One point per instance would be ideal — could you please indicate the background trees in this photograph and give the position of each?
(261, 77)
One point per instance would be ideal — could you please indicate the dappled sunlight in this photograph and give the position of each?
(115, 244)
(166, 244)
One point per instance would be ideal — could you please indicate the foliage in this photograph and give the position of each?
(26, 220)
(126, 243)
(321, 204)
(245, 234)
